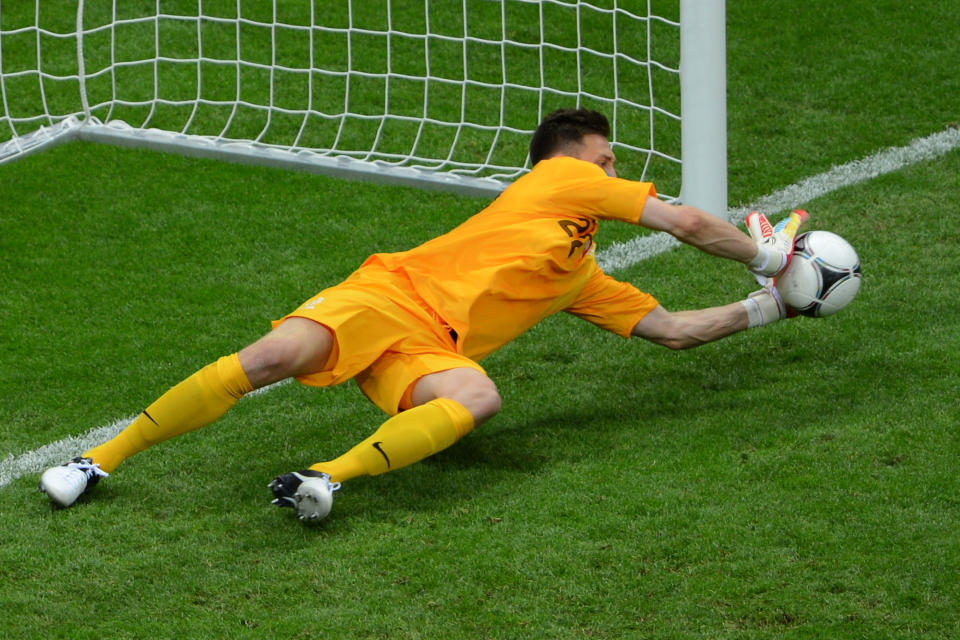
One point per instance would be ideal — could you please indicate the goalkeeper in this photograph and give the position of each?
(412, 327)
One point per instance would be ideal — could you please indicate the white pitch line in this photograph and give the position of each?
(619, 255)
(60, 451)
(57, 452)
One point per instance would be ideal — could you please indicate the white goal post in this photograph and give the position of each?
(437, 93)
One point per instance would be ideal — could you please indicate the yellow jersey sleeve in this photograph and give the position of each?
(569, 185)
(612, 305)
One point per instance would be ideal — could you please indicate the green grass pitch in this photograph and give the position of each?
(798, 481)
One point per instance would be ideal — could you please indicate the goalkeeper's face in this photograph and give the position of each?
(595, 148)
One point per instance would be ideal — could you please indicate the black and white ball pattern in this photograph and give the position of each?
(823, 276)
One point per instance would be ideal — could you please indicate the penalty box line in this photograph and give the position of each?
(618, 256)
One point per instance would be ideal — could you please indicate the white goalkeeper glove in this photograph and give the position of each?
(774, 244)
(765, 307)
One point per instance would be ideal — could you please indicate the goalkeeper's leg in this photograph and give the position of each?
(297, 346)
(448, 405)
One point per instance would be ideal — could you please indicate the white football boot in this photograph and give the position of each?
(66, 483)
(308, 492)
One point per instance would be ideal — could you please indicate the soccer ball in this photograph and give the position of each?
(823, 276)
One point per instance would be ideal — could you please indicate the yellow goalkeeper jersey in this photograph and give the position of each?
(526, 256)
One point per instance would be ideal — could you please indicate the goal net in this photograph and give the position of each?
(432, 92)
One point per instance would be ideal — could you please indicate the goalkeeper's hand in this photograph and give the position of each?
(774, 244)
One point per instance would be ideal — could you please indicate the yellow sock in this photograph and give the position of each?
(194, 403)
(405, 438)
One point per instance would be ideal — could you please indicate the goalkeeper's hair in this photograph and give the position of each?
(564, 128)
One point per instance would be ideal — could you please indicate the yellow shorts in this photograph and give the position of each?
(385, 337)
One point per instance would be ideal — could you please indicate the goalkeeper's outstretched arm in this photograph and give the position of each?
(713, 235)
(686, 329)
(765, 253)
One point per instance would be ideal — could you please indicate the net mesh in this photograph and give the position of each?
(430, 86)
